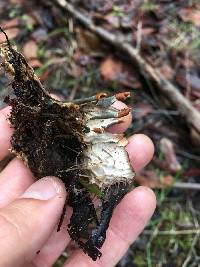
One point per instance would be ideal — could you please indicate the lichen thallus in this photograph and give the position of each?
(69, 140)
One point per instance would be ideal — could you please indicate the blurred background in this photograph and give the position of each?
(73, 62)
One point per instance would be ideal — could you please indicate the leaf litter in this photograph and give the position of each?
(169, 42)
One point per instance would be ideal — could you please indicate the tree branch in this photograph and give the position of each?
(174, 232)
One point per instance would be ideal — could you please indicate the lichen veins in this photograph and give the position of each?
(105, 156)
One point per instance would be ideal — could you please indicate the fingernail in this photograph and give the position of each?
(44, 189)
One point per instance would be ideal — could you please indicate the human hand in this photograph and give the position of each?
(30, 211)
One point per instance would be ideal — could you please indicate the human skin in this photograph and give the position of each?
(30, 210)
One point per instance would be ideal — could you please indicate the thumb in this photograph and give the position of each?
(27, 223)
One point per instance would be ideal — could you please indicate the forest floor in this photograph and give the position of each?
(73, 62)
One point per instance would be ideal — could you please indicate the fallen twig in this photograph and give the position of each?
(184, 106)
(174, 232)
(187, 186)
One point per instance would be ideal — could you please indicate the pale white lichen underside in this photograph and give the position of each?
(106, 157)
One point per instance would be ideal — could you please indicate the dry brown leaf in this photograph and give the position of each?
(195, 137)
(11, 33)
(187, 63)
(197, 103)
(17, 2)
(195, 172)
(190, 15)
(44, 75)
(148, 31)
(87, 41)
(196, 94)
(110, 69)
(167, 148)
(167, 71)
(113, 20)
(195, 18)
(11, 28)
(141, 110)
(35, 63)
(191, 79)
(150, 179)
(30, 20)
(30, 50)
(12, 23)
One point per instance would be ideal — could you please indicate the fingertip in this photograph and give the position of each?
(140, 203)
(46, 188)
(144, 194)
(140, 149)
